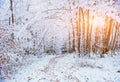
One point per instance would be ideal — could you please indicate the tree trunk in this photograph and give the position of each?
(78, 32)
(11, 8)
(82, 31)
(90, 35)
(115, 37)
(69, 42)
(87, 33)
(73, 35)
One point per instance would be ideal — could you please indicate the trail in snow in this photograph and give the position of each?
(68, 69)
(51, 64)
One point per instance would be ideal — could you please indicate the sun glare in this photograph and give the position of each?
(98, 22)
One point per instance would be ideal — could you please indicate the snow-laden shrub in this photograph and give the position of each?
(7, 46)
(7, 43)
(9, 64)
(91, 63)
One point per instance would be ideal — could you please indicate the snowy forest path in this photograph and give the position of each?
(64, 68)
(51, 64)
(51, 67)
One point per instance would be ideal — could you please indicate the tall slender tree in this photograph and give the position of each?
(11, 9)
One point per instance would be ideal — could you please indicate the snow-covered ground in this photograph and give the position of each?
(41, 18)
(66, 68)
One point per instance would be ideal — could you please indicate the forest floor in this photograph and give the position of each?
(66, 68)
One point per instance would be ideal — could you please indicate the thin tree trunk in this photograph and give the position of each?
(109, 32)
(82, 31)
(112, 35)
(69, 42)
(87, 33)
(11, 8)
(9, 21)
(106, 33)
(115, 37)
(78, 32)
(73, 39)
(90, 40)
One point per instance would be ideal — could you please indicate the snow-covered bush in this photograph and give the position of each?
(7, 46)
(9, 64)
(7, 43)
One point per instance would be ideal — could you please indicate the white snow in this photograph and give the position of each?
(66, 68)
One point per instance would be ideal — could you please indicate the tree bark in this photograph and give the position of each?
(11, 8)
(82, 31)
